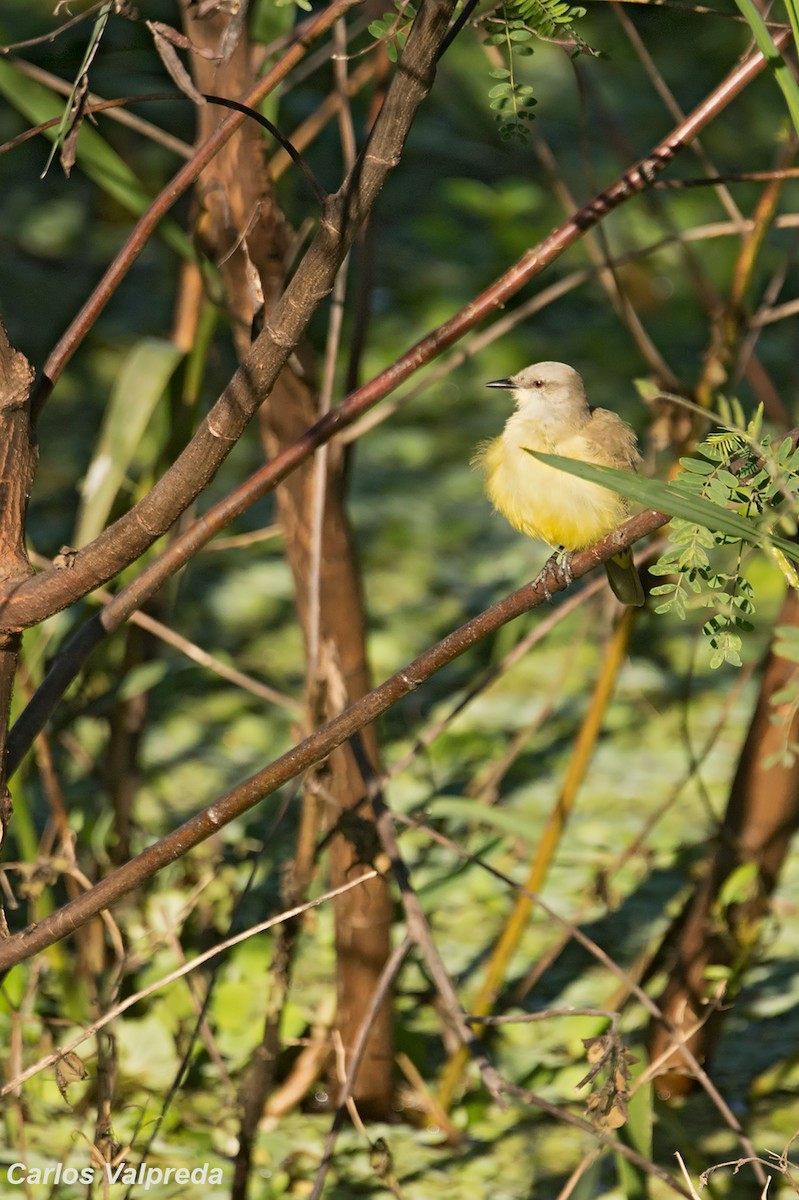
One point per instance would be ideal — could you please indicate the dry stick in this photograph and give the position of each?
(579, 1171)
(332, 345)
(419, 930)
(49, 1059)
(661, 87)
(601, 258)
(28, 603)
(52, 34)
(546, 847)
(384, 983)
(312, 750)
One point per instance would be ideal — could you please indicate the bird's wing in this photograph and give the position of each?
(613, 440)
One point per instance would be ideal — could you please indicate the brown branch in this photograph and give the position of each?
(168, 196)
(18, 454)
(116, 110)
(312, 750)
(123, 542)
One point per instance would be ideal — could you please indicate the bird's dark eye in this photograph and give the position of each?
(538, 383)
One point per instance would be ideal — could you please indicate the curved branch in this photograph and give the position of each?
(312, 750)
(30, 602)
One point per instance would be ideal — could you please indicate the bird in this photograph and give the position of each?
(553, 416)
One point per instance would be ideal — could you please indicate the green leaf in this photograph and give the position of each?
(138, 389)
(670, 499)
(740, 886)
(696, 466)
(765, 43)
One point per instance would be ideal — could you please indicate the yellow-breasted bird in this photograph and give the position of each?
(553, 416)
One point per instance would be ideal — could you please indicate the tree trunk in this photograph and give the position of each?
(18, 455)
(246, 233)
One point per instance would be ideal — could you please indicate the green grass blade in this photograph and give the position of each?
(766, 46)
(94, 41)
(793, 17)
(137, 391)
(668, 498)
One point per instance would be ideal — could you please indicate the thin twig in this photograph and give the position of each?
(387, 976)
(117, 110)
(129, 1002)
(313, 749)
(28, 603)
(196, 653)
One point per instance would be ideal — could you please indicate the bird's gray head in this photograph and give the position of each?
(546, 386)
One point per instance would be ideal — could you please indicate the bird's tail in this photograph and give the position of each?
(624, 579)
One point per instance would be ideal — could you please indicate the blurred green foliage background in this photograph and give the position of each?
(461, 207)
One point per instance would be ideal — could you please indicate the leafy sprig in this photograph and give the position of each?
(511, 100)
(740, 490)
(694, 579)
(512, 31)
(738, 469)
(550, 19)
(393, 28)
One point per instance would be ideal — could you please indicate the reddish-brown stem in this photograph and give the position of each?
(312, 750)
(180, 183)
(30, 602)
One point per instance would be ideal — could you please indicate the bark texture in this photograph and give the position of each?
(242, 228)
(18, 455)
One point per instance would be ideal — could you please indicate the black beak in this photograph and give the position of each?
(500, 383)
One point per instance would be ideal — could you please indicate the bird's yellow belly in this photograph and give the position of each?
(548, 504)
